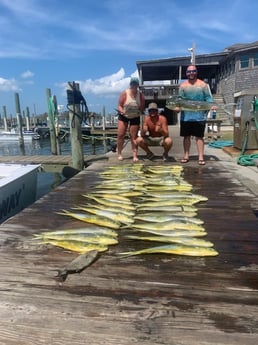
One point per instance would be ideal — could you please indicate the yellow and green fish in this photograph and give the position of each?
(174, 249)
(189, 241)
(93, 219)
(169, 225)
(77, 246)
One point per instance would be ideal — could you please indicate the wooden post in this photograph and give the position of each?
(73, 90)
(19, 119)
(5, 118)
(55, 114)
(51, 124)
(27, 118)
(34, 116)
(103, 118)
(104, 127)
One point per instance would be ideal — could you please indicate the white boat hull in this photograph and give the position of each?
(18, 188)
(10, 136)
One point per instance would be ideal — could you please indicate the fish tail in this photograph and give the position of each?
(126, 226)
(37, 237)
(127, 254)
(64, 213)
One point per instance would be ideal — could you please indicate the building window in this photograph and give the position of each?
(244, 61)
(255, 59)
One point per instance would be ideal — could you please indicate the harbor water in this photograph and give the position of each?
(49, 181)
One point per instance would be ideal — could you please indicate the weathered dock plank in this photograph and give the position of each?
(148, 299)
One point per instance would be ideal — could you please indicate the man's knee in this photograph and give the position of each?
(168, 141)
(139, 140)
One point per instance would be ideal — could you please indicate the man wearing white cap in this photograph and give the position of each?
(154, 132)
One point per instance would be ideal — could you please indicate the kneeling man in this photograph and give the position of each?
(154, 132)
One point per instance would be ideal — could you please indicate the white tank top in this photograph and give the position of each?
(132, 105)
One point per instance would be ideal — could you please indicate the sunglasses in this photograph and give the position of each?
(191, 71)
(153, 110)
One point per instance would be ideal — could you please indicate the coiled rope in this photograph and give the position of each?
(246, 160)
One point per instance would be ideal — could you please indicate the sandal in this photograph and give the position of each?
(185, 160)
(135, 159)
(201, 162)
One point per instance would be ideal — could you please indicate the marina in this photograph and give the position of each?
(27, 136)
(145, 299)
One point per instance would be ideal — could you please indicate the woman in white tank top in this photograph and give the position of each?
(131, 105)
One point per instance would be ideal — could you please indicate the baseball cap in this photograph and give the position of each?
(153, 106)
(134, 80)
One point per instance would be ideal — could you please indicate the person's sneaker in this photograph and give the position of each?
(150, 156)
(165, 157)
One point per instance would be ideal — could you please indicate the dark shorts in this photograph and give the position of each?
(134, 121)
(192, 128)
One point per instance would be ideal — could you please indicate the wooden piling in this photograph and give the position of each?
(5, 118)
(51, 123)
(73, 91)
(19, 120)
(27, 118)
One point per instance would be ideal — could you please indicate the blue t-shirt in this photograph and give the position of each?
(199, 91)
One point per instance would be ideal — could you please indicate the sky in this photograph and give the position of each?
(44, 44)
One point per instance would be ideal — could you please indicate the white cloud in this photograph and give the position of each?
(27, 74)
(107, 86)
(8, 85)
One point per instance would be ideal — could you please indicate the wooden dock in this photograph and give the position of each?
(51, 163)
(142, 300)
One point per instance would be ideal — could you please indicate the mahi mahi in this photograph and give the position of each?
(168, 208)
(174, 249)
(77, 246)
(105, 202)
(189, 241)
(187, 104)
(89, 218)
(88, 238)
(159, 217)
(169, 225)
(168, 195)
(116, 209)
(99, 230)
(174, 233)
(183, 103)
(119, 217)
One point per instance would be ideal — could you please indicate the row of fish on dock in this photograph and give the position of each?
(141, 204)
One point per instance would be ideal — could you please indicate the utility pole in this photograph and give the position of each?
(192, 51)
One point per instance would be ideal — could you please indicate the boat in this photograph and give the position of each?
(28, 135)
(18, 188)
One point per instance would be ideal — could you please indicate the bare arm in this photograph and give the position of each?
(163, 129)
(142, 99)
(145, 127)
(121, 102)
